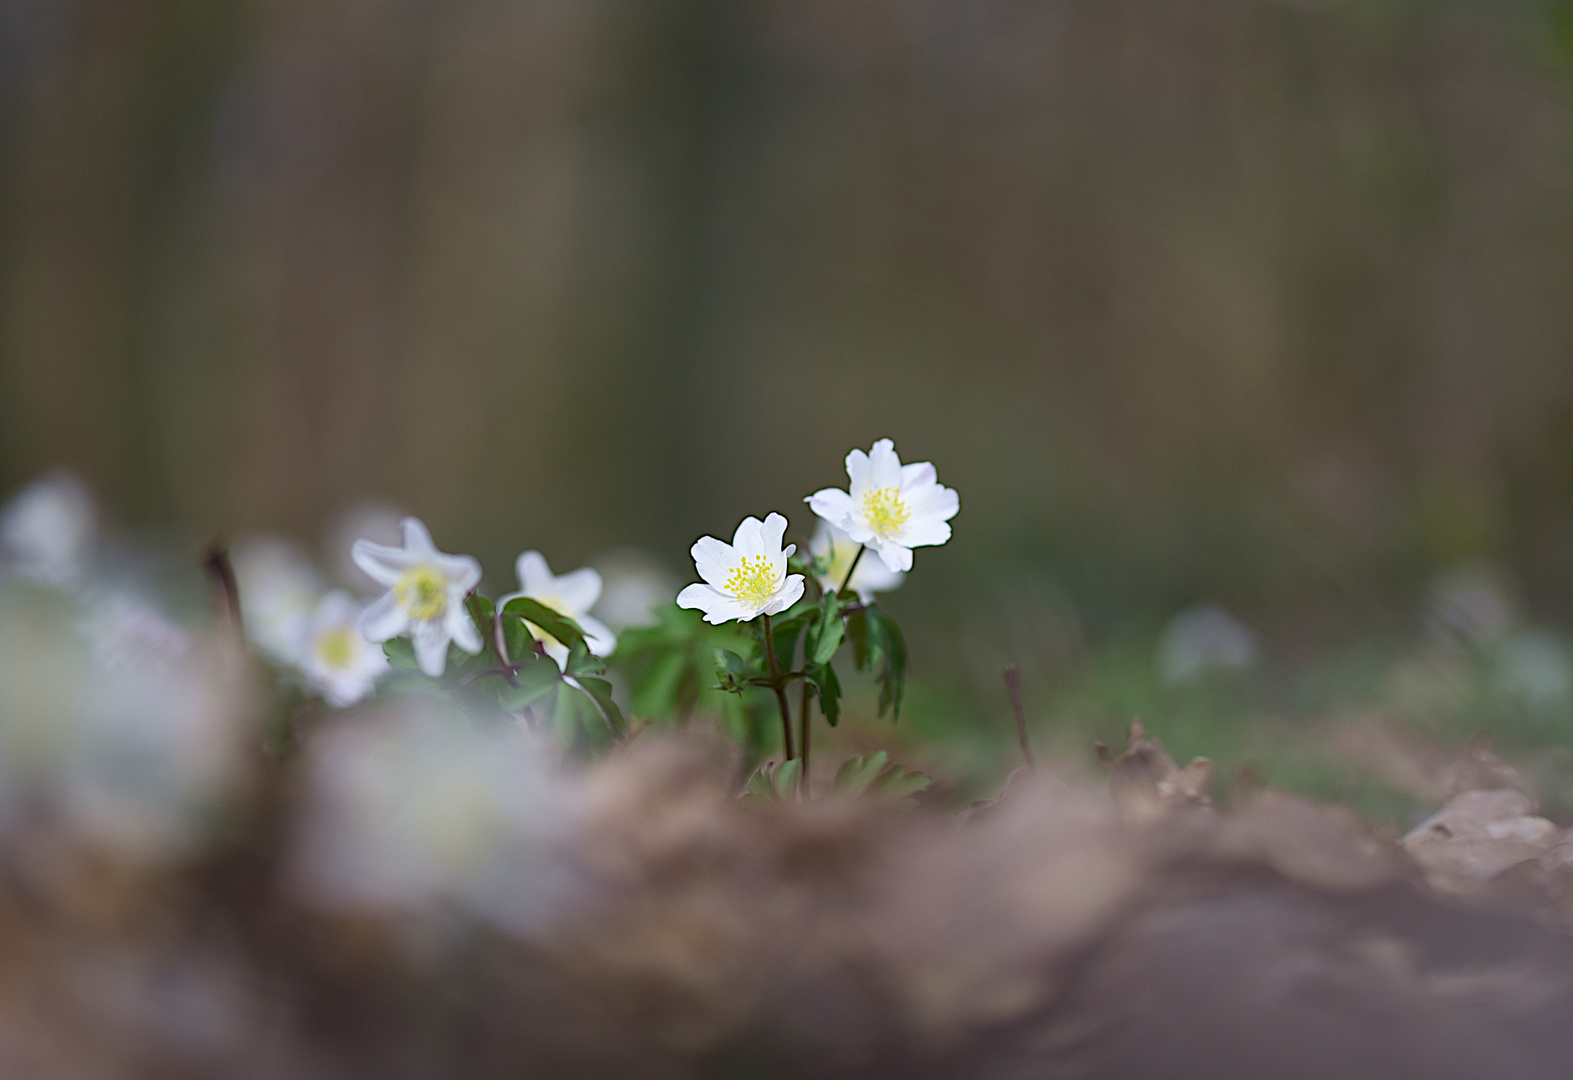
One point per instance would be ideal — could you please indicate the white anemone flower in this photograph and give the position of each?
(891, 507)
(425, 596)
(746, 578)
(279, 585)
(339, 663)
(47, 530)
(837, 550)
(573, 595)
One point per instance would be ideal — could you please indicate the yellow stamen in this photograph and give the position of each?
(422, 591)
(752, 580)
(885, 510)
(336, 647)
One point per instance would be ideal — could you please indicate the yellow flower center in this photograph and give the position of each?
(752, 580)
(885, 510)
(422, 591)
(336, 647)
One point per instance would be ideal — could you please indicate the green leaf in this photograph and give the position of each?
(551, 622)
(531, 684)
(581, 661)
(400, 652)
(659, 688)
(600, 692)
(873, 775)
(774, 781)
(892, 673)
(822, 677)
(827, 633)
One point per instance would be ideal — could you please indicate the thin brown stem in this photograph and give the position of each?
(1013, 688)
(778, 684)
(805, 727)
(846, 581)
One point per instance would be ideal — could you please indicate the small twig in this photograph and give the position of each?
(1013, 688)
(221, 574)
(805, 716)
(853, 568)
(778, 684)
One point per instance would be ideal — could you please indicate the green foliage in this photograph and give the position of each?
(878, 646)
(551, 622)
(874, 776)
(774, 781)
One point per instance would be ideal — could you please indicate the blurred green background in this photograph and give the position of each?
(1258, 303)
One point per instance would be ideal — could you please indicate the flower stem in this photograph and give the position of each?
(778, 684)
(853, 568)
(805, 718)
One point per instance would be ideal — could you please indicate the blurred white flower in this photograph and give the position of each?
(47, 530)
(635, 585)
(746, 578)
(338, 661)
(279, 587)
(1204, 639)
(133, 756)
(889, 506)
(1473, 601)
(372, 521)
(1535, 667)
(125, 632)
(425, 597)
(413, 811)
(572, 594)
(838, 550)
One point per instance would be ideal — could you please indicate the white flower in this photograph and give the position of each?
(573, 595)
(425, 596)
(47, 529)
(838, 550)
(891, 507)
(1205, 639)
(279, 585)
(339, 662)
(746, 578)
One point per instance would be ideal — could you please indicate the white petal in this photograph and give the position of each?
(832, 504)
(383, 620)
(431, 647)
(381, 563)
(791, 592)
(893, 555)
(933, 501)
(918, 474)
(417, 538)
(535, 577)
(597, 635)
(713, 559)
(749, 538)
(771, 533)
(884, 465)
(924, 532)
(859, 472)
(579, 590)
(558, 652)
(463, 571)
(719, 607)
(458, 625)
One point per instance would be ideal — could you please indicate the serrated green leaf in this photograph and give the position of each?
(600, 692)
(857, 773)
(550, 622)
(730, 662)
(531, 684)
(827, 633)
(400, 652)
(891, 661)
(827, 686)
(898, 783)
(775, 781)
(581, 661)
